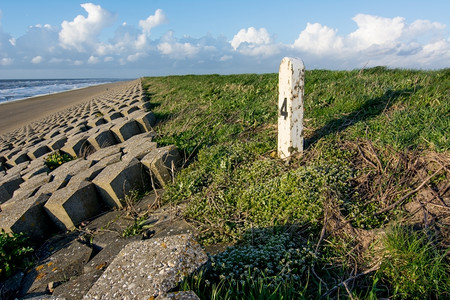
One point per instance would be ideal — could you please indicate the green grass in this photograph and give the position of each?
(369, 136)
(413, 266)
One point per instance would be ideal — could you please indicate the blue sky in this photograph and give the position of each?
(127, 39)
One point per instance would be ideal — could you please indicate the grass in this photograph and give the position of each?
(374, 139)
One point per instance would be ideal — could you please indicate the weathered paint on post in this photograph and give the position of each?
(291, 83)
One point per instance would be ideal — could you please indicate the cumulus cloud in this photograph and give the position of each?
(251, 36)
(93, 60)
(318, 39)
(169, 46)
(375, 40)
(5, 61)
(254, 42)
(83, 31)
(152, 21)
(37, 59)
(379, 41)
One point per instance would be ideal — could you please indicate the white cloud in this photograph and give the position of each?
(93, 60)
(251, 36)
(37, 59)
(171, 47)
(318, 39)
(378, 41)
(225, 58)
(5, 61)
(152, 21)
(374, 30)
(83, 31)
(254, 42)
(375, 40)
(136, 56)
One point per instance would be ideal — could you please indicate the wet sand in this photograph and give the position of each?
(16, 114)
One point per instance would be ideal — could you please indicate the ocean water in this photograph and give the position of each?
(11, 90)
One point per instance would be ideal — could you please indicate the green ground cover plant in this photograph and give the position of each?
(56, 159)
(14, 253)
(376, 153)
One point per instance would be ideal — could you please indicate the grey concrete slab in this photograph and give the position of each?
(149, 268)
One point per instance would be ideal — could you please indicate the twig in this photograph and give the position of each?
(407, 195)
(380, 166)
(363, 156)
(344, 283)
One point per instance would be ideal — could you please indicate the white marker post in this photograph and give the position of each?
(291, 84)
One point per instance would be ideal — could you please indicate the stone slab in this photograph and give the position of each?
(57, 268)
(149, 268)
(183, 295)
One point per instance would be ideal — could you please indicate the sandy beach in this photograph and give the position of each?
(16, 114)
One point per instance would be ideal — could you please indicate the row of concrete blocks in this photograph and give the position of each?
(78, 145)
(57, 138)
(83, 188)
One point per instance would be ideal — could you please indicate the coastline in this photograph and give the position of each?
(15, 114)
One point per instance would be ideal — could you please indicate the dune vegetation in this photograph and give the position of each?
(363, 212)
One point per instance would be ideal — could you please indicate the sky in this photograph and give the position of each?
(130, 39)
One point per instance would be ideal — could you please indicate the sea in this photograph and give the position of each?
(12, 89)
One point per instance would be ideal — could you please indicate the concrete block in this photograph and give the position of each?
(73, 204)
(38, 150)
(72, 168)
(125, 130)
(28, 216)
(127, 111)
(119, 179)
(8, 185)
(86, 175)
(145, 120)
(54, 132)
(138, 150)
(109, 160)
(18, 158)
(149, 268)
(55, 184)
(102, 139)
(30, 172)
(95, 122)
(104, 152)
(113, 115)
(145, 106)
(77, 146)
(33, 183)
(57, 142)
(160, 163)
